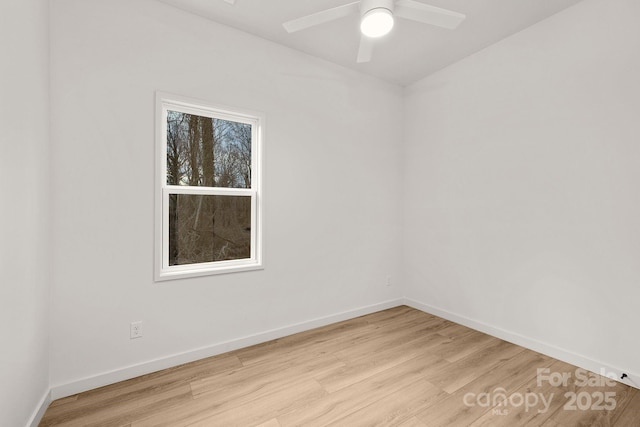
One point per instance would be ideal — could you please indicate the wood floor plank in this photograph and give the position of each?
(270, 405)
(396, 408)
(462, 407)
(63, 401)
(122, 412)
(394, 314)
(464, 345)
(408, 319)
(248, 409)
(589, 408)
(463, 371)
(343, 402)
(254, 378)
(374, 363)
(455, 330)
(412, 422)
(386, 339)
(271, 423)
(517, 413)
(398, 367)
(125, 391)
(334, 338)
(629, 415)
(351, 335)
(337, 334)
(238, 397)
(627, 407)
(550, 423)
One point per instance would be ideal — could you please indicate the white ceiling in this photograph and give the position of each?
(410, 52)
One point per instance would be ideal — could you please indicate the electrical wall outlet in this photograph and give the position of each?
(388, 282)
(136, 330)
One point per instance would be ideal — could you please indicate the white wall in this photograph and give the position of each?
(332, 199)
(522, 186)
(24, 242)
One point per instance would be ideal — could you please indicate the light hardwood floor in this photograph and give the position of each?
(398, 367)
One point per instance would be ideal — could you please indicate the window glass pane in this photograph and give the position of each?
(206, 152)
(206, 228)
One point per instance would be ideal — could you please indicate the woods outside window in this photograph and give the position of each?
(208, 208)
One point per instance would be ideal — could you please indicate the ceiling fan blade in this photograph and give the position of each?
(365, 50)
(416, 11)
(321, 17)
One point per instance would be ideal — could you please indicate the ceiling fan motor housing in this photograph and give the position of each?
(368, 5)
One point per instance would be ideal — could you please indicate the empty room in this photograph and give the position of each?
(282, 213)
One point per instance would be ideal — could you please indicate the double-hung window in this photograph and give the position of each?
(208, 210)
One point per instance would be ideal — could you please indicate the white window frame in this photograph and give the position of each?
(164, 271)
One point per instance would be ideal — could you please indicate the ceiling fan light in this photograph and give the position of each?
(376, 22)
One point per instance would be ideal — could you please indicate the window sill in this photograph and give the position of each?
(200, 271)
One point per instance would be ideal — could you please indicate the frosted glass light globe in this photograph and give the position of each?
(376, 22)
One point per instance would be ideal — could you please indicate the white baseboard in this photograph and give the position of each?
(564, 355)
(106, 378)
(38, 413)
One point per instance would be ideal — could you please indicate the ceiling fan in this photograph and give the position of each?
(377, 19)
